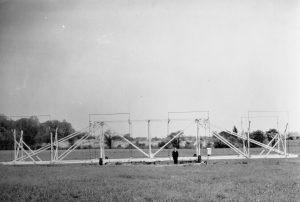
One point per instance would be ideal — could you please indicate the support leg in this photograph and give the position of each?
(149, 140)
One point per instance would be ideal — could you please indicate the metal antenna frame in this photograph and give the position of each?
(97, 127)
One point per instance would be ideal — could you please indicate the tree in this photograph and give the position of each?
(30, 128)
(6, 123)
(34, 132)
(43, 135)
(259, 136)
(64, 129)
(6, 135)
(6, 139)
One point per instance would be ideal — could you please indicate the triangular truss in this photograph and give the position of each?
(278, 139)
(24, 154)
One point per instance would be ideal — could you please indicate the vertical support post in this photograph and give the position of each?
(285, 136)
(91, 132)
(100, 140)
(288, 130)
(18, 147)
(248, 140)
(285, 144)
(103, 147)
(198, 147)
(197, 152)
(90, 125)
(149, 140)
(51, 147)
(279, 136)
(21, 143)
(101, 144)
(130, 134)
(15, 144)
(244, 136)
(130, 127)
(199, 138)
(56, 145)
(168, 127)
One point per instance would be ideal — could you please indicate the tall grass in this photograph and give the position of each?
(248, 180)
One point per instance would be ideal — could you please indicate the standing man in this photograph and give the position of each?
(175, 155)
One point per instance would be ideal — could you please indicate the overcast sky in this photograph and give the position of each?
(71, 58)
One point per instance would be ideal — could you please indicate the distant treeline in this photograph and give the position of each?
(35, 134)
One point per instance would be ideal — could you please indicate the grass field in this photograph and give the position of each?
(233, 180)
(248, 180)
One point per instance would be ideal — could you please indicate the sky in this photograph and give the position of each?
(69, 58)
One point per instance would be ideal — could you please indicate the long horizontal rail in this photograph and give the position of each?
(185, 112)
(142, 120)
(108, 114)
(251, 117)
(141, 160)
(268, 111)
